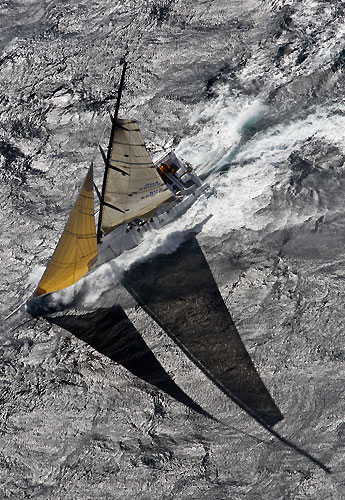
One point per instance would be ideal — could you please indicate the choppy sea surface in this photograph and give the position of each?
(249, 93)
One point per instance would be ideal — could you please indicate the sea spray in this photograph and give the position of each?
(260, 167)
(221, 127)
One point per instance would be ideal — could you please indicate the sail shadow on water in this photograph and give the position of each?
(179, 292)
(110, 332)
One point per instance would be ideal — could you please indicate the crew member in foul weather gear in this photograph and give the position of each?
(166, 168)
(130, 225)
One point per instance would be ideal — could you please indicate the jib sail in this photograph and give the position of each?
(76, 251)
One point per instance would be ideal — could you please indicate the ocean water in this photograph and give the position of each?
(250, 94)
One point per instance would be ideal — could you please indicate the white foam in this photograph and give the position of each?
(254, 166)
(219, 126)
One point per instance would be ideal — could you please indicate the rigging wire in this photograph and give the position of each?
(15, 310)
(93, 156)
(105, 126)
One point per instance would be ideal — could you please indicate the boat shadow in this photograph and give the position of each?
(110, 332)
(179, 292)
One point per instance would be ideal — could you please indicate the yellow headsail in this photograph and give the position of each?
(76, 251)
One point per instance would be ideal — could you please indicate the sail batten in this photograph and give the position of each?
(136, 190)
(132, 164)
(76, 250)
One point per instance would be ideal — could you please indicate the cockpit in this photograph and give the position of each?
(176, 176)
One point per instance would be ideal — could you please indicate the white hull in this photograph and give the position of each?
(122, 239)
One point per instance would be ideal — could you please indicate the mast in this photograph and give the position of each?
(114, 121)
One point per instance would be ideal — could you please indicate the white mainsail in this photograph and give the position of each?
(133, 187)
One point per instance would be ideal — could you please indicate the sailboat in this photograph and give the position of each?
(137, 196)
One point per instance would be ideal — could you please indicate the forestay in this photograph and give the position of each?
(133, 187)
